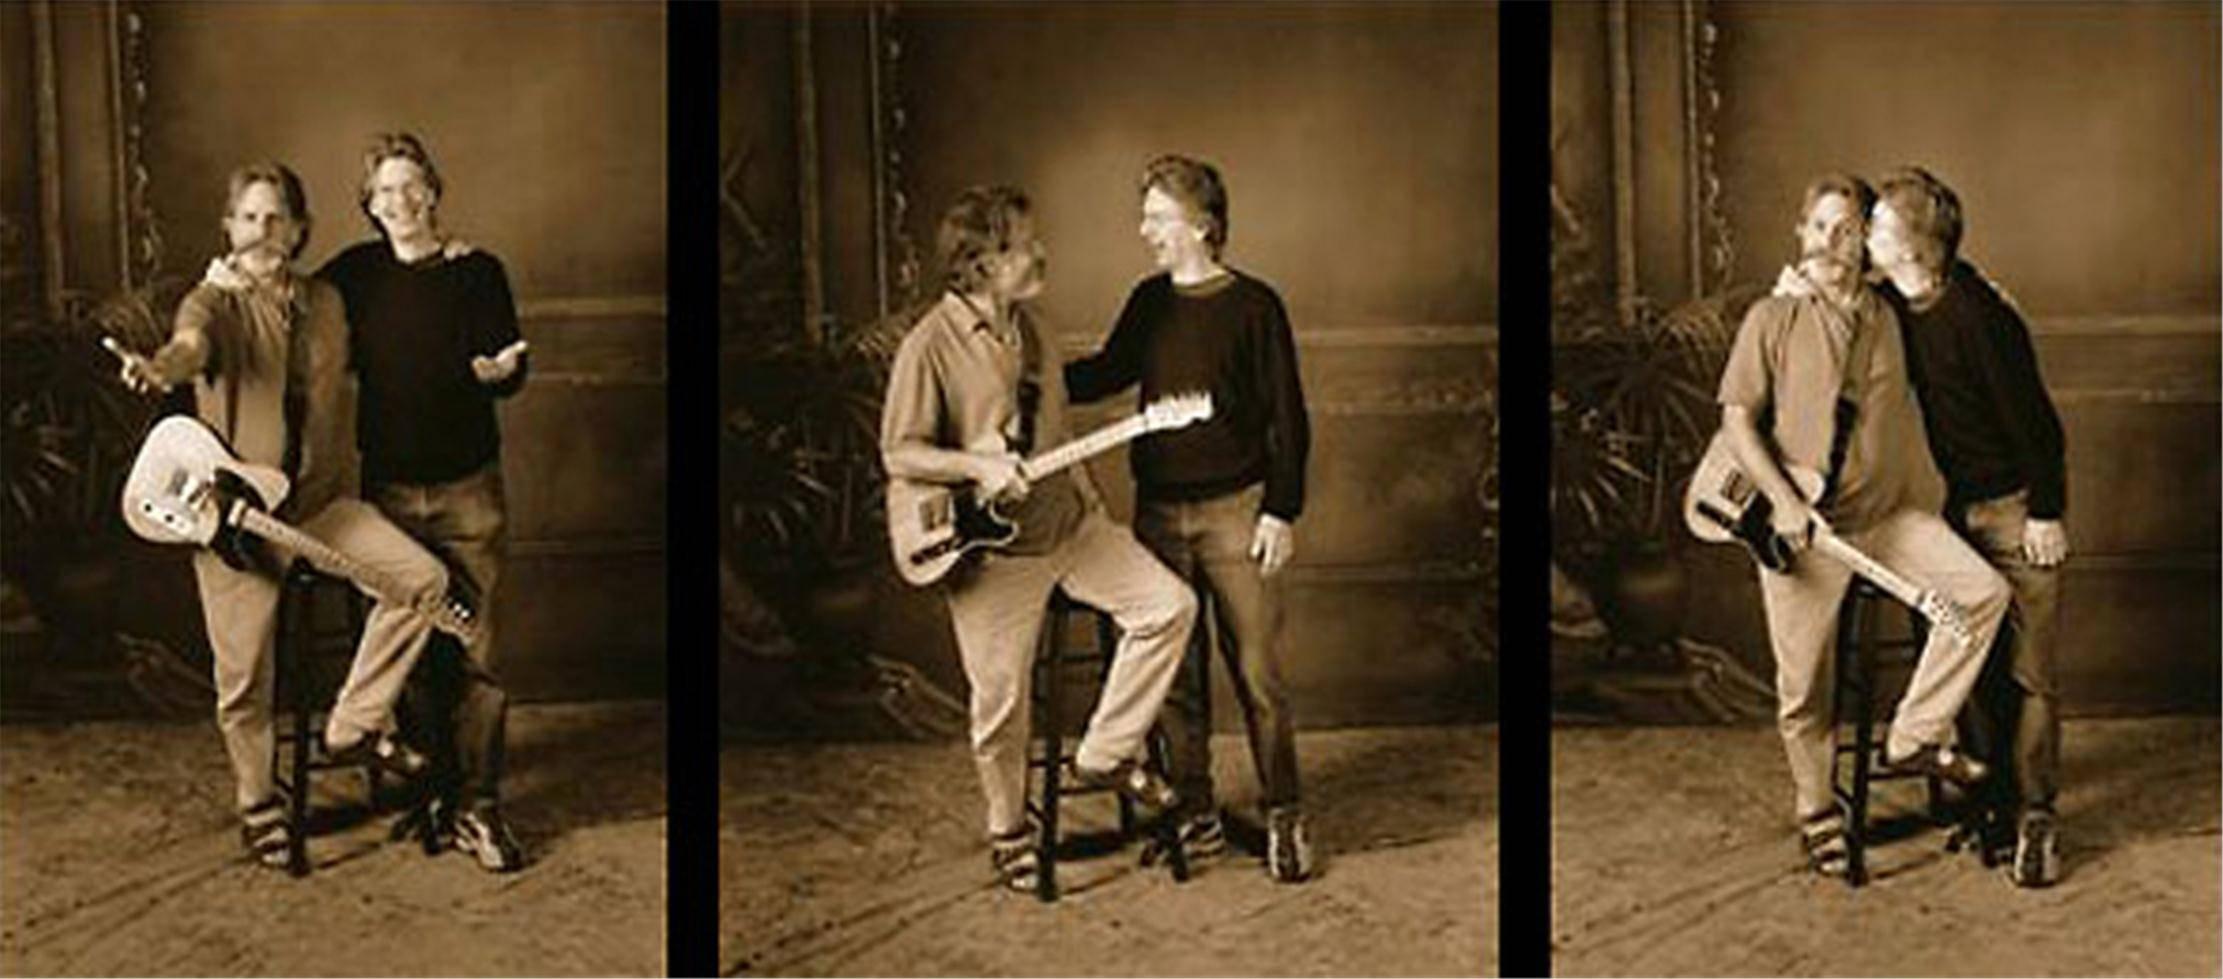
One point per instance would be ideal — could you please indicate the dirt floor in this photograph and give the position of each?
(1674, 855)
(122, 858)
(867, 860)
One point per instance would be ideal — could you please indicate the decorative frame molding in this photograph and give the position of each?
(46, 109)
(809, 237)
(138, 231)
(895, 260)
(1708, 253)
(138, 238)
(1712, 252)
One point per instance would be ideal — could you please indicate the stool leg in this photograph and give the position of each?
(1169, 831)
(1860, 663)
(1045, 887)
(294, 630)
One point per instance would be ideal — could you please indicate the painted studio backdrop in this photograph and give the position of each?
(1682, 136)
(1359, 145)
(2082, 142)
(124, 854)
(122, 121)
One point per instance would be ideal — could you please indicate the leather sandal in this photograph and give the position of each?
(1017, 859)
(1822, 835)
(266, 833)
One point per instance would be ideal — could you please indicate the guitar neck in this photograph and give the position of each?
(1094, 443)
(1870, 568)
(324, 556)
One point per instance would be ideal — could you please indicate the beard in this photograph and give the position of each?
(1830, 265)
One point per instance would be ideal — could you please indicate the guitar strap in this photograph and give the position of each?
(1859, 352)
(1030, 384)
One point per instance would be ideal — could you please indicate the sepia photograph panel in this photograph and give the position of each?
(1246, 255)
(333, 633)
(1885, 408)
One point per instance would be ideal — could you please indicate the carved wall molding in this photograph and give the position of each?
(1713, 251)
(139, 237)
(592, 307)
(1622, 86)
(895, 259)
(809, 240)
(1706, 245)
(1338, 337)
(46, 107)
(122, 66)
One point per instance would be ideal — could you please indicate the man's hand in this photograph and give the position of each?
(140, 373)
(455, 248)
(2045, 543)
(1272, 544)
(1793, 285)
(999, 476)
(222, 274)
(498, 368)
(1795, 524)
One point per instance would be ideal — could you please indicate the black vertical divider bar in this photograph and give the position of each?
(691, 376)
(1524, 352)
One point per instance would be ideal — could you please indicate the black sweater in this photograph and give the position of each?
(1229, 337)
(1991, 425)
(413, 329)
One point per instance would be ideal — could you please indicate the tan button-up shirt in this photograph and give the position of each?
(956, 383)
(270, 345)
(1788, 368)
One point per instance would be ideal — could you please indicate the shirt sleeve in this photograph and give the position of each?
(1116, 367)
(1746, 379)
(196, 312)
(1288, 427)
(911, 413)
(494, 324)
(2002, 351)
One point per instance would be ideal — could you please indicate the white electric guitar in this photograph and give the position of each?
(1724, 505)
(187, 488)
(931, 526)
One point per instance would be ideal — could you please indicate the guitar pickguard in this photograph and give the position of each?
(239, 549)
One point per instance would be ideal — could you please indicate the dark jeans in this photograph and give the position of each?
(2015, 718)
(1207, 542)
(456, 707)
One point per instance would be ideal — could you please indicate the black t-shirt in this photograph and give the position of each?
(1990, 422)
(413, 329)
(1229, 336)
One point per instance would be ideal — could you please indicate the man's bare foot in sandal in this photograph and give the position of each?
(1822, 835)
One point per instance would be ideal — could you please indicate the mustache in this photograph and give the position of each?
(276, 246)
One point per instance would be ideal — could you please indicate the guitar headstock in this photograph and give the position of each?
(1177, 411)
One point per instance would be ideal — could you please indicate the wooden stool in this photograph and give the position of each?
(1862, 648)
(299, 640)
(1053, 658)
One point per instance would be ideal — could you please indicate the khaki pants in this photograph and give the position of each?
(1802, 625)
(997, 608)
(241, 609)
